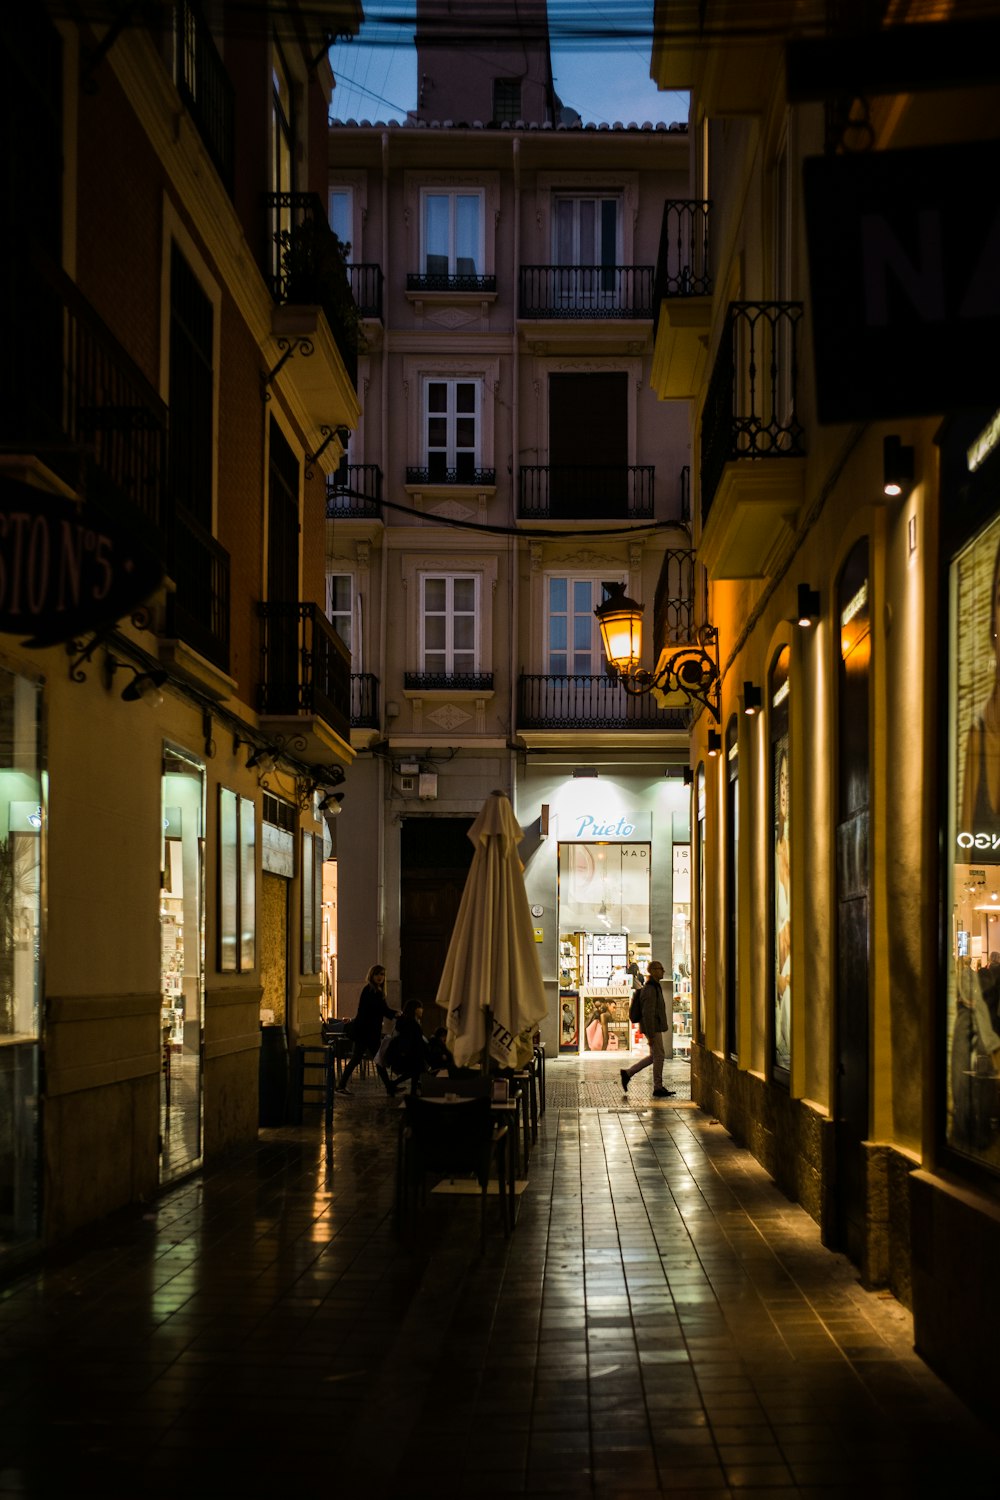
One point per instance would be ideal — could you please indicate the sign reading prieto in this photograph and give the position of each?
(66, 567)
(903, 255)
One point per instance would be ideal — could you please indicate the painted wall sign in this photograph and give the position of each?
(66, 567)
(590, 827)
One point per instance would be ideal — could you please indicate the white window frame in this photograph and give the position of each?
(348, 613)
(449, 613)
(451, 383)
(336, 189)
(596, 650)
(452, 194)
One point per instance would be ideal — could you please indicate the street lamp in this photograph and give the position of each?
(689, 672)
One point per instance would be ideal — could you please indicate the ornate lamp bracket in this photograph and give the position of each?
(691, 670)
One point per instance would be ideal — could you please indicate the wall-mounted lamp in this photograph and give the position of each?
(714, 742)
(331, 804)
(808, 605)
(751, 699)
(261, 760)
(897, 467)
(145, 686)
(688, 776)
(689, 671)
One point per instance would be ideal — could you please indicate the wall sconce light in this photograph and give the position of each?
(331, 804)
(808, 605)
(144, 685)
(261, 760)
(689, 670)
(751, 699)
(714, 742)
(897, 467)
(688, 776)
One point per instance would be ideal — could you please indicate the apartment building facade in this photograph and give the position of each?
(176, 365)
(844, 501)
(511, 461)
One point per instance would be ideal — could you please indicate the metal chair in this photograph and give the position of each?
(451, 1138)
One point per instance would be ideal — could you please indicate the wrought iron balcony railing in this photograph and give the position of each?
(465, 682)
(586, 292)
(307, 266)
(438, 282)
(750, 406)
(364, 700)
(72, 395)
(673, 606)
(551, 702)
(198, 609)
(205, 87)
(586, 492)
(683, 263)
(354, 491)
(443, 474)
(305, 668)
(366, 288)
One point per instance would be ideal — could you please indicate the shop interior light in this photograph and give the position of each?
(808, 605)
(897, 467)
(714, 742)
(751, 699)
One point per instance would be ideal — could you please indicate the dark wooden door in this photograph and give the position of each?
(853, 904)
(588, 446)
(435, 855)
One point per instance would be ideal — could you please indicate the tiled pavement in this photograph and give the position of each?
(662, 1321)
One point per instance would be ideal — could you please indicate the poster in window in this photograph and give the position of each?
(972, 996)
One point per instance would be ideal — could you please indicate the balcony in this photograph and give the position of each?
(682, 299)
(673, 607)
(198, 609)
(550, 708)
(586, 492)
(417, 684)
(434, 476)
(752, 443)
(366, 288)
(316, 322)
(205, 88)
(305, 679)
(419, 284)
(364, 700)
(354, 492)
(585, 292)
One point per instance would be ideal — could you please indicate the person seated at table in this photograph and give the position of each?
(439, 1054)
(406, 1056)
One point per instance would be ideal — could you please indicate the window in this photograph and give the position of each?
(452, 426)
(586, 243)
(312, 903)
(191, 391)
(237, 882)
(506, 100)
(732, 887)
(573, 639)
(342, 217)
(282, 156)
(449, 608)
(781, 883)
(452, 225)
(339, 605)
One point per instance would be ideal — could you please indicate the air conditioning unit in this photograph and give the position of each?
(427, 786)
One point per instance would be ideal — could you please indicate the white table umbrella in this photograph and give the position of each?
(491, 982)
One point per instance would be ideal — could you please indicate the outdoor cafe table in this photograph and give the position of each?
(501, 1111)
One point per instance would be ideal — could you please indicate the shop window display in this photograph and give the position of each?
(182, 950)
(781, 882)
(973, 977)
(604, 942)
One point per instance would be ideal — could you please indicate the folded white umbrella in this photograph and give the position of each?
(491, 983)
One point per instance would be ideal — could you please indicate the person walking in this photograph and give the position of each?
(654, 1024)
(406, 1054)
(366, 1028)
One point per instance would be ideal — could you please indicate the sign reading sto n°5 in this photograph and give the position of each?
(66, 567)
(904, 269)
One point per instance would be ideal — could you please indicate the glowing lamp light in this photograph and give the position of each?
(620, 620)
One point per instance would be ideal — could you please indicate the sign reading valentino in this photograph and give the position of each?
(903, 255)
(66, 567)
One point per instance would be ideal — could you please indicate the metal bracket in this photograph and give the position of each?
(82, 651)
(302, 346)
(313, 458)
(691, 671)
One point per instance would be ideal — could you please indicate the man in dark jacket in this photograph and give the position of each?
(654, 1024)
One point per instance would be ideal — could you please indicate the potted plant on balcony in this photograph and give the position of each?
(314, 272)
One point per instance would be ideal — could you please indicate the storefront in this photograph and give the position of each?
(608, 878)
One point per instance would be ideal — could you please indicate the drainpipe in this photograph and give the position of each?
(384, 550)
(514, 556)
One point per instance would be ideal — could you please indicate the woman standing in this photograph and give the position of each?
(366, 1028)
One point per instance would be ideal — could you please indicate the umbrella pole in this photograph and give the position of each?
(487, 1038)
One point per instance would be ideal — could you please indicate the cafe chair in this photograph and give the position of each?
(451, 1139)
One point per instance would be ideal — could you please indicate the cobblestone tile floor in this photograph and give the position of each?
(661, 1322)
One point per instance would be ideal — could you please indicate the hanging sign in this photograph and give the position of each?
(66, 566)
